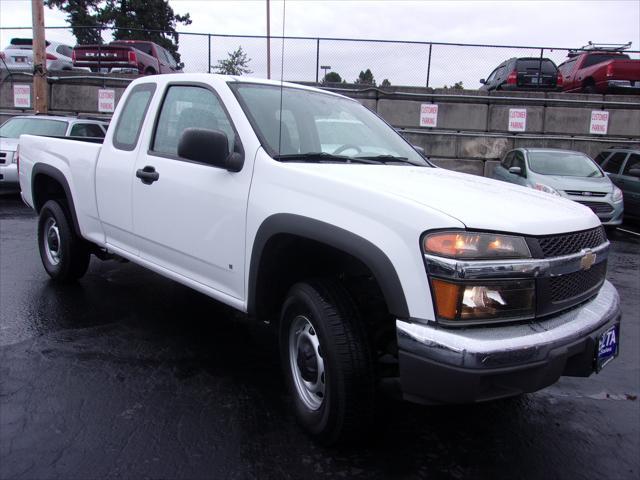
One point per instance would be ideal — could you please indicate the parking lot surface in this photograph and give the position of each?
(129, 375)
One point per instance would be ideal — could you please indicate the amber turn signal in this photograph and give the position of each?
(447, 296)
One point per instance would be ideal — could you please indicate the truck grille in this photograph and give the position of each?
(3, 158)
(566, 244)
(598, 207)
(574, 284)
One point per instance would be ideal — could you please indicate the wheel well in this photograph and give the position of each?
(588, 81)
(288, 259)
(46, 188)
(150, 71)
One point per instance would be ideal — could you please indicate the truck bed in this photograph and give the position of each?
(76, 159)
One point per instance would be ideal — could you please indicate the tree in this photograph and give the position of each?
(332, 77)
(81, 13)
(237, 63)
(152, 20)
(455, 86)
(385, 83)
(366, 78)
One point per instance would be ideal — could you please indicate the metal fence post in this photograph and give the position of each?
(540, 66)
(209, 57)
(429, 64)
(317, 59)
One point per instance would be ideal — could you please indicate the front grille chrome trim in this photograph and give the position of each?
(525, 268)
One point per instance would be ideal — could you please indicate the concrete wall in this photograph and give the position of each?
(472, 129)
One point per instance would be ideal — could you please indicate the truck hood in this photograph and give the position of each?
(8, 144)
(584, 184)
(477, 202)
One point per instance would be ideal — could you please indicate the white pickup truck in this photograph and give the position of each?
(305, 210)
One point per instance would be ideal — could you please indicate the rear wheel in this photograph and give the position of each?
(327, 361)
(589, 88)
(65, 256)
(149, 71)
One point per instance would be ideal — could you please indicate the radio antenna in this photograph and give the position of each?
(281, 78)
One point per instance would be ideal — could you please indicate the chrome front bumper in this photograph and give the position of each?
(508, 346)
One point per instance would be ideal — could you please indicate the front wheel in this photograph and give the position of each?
(64, 255)
(327, 361)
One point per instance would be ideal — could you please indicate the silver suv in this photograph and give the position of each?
(565, 173)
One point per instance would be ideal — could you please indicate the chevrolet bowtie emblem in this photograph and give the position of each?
(588, 260)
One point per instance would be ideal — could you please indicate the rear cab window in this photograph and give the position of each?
(132, 116)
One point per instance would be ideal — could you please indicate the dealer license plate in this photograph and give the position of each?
(607, 347)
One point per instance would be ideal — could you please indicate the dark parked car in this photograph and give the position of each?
(622, 165)
(524, 74)
(145, 58)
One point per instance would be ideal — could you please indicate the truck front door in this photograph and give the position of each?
(189, 217)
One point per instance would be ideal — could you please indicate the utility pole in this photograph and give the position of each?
(268, 42)
(39, 58)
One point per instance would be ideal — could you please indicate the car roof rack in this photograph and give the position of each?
(600, 47)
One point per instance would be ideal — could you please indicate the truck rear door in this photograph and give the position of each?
(191, 218)
(115, 171)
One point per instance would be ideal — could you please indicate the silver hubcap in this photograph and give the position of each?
(306, 362)
(52, 241)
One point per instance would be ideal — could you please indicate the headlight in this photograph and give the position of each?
(470, 245)
(617, 194)
(546, 189)
(488, 300)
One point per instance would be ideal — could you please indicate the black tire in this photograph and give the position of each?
(149, 71)
(65, 256)
(348, 399)
(589, 88)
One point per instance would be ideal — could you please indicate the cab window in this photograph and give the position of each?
(187, 106)
(632, 162)
(615, 162)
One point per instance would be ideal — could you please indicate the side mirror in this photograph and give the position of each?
(210, 147)
(515, 170)
(483, 81)
(634, 172)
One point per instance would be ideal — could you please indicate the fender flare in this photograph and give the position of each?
(365, 251)
(57, 175)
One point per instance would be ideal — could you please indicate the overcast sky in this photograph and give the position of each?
(536, 23)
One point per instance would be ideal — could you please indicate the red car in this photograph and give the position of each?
(145, 58)
(600, 69)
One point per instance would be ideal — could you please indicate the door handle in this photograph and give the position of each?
(148, 175)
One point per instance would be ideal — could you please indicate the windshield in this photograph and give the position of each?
(320, 127)
(569, 164)
(15, 127)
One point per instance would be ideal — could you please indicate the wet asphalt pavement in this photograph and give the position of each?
(129, 375)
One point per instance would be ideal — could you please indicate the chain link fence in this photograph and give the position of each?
(418, 64)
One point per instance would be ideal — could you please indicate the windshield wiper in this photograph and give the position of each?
(321, 157)
(387, 159)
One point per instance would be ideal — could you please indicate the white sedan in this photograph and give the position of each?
(46, 125)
